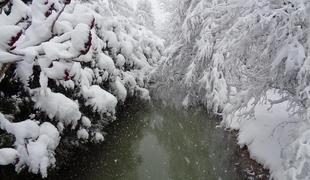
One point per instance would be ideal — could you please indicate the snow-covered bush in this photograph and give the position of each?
(66, 65)
(227, 54)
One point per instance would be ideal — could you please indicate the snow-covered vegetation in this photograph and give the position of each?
(65, 65)
(247, 61)
(144, 14)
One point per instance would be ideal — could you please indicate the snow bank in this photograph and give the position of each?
(268, 134)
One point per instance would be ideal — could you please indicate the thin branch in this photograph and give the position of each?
(57, 17)
(6, 66)
(278, 101)
(282, 124)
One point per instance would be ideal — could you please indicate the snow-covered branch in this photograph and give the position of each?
(229, 54)
(71, 63)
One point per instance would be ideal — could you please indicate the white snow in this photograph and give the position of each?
(130, 82)
(6, 57)
(7, 33)
(38, 158)
(79, 37)
(143, 93)
(185, 101)
(101, 100)
(106, 63)
(27, 129)
(99, 137)
(119, 90)
(19, 11)
(86, 122)
(58, 106)
(111, 39)
(35, 145)
(57, 71)
(8, 156)
(52, 133)
(268, 134)
(81, 50)
(120, 60)
(82, 134)
(55, 50)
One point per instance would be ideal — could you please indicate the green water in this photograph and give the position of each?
(156, 144)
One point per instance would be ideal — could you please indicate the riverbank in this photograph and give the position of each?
(252, 169)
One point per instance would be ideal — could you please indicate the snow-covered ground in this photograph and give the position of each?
(268, 134)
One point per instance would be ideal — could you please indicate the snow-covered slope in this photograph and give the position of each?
(69, 63)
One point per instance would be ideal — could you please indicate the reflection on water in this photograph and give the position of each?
(157, 144)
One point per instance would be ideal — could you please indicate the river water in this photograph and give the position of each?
(156, 143)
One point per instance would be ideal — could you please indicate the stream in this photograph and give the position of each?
(156, 143)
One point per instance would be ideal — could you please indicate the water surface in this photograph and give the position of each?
(155, 143)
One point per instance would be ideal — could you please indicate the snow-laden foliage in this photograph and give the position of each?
(227, 54)
(66, 65)
(121, 7)
(144, 14)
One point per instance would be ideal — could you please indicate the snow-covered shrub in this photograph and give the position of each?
(227, 54)
(66, 65)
